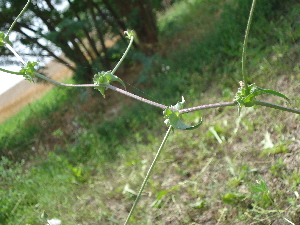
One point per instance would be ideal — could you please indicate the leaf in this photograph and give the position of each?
(173, 118)
(276, 93)
(105, 78)
(261, 187)
(232, 198)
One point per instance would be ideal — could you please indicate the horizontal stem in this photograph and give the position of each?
(65, 85)
(209, 106)
(104, 85)
(276, 106)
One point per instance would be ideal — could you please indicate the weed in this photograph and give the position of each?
(104, 143)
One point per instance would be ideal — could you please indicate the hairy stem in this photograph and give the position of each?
(123, 57)
(136, 97)
(66, 85)
(148, 174)
(245, 44)
(20, 14)
(209, 106)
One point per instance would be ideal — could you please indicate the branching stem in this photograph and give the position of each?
(196, 108)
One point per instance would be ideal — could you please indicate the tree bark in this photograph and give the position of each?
(145, 22)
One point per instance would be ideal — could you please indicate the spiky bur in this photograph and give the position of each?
(103, 78)
(28, 71)
(173, 118)
(246, 95)
(129, 34)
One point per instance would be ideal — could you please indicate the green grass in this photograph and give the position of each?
(41, 107)
(72, 158)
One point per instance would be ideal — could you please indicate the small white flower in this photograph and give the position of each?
(54, 222)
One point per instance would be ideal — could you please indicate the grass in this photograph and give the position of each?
(86, 168)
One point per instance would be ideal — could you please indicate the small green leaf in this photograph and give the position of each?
(2, 42)
(105, 78)
(173, 118)
(232, 198)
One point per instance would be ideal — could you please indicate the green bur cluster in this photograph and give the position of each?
(246, 95)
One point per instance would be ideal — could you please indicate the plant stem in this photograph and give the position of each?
(15, 53)
(245, 44)
(196, 108)
(20, 14)
(123, 57)
(66, 85)
(276, 106)
(136, 97)
(148, 174)
(209, 106)
(8, 71)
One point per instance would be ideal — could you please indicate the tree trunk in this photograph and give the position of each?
(144, 22)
